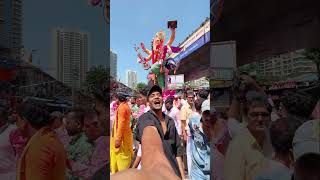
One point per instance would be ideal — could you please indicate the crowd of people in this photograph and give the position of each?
(162, 134)
(36, 144)
(256, 138)
(182, 120)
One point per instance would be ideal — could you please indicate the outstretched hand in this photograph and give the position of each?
(250, 83)
(247, 80)
(142, 46)
(154, 163)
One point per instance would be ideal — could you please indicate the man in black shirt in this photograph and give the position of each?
(166, 129)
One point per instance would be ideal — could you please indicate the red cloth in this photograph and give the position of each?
(6, 74)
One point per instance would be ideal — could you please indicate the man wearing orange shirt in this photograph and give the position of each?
(121, 140)
(44, 156)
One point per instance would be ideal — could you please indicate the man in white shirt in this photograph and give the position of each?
(182, 99)
(186, 112)
(174, 113)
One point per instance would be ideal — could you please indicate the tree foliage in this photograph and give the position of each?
(252, 70)
(98, 77)
(314, 55)
(141, 86)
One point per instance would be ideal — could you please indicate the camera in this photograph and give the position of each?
(172, 24)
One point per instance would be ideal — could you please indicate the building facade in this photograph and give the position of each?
(10, 28)
(69, 56)
(200, 83)
(131, 79)
(113, 64)
(32, 81)
(290, 64)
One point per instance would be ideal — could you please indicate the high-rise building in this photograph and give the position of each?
(131, 79)
(289, 64)
(70, 56)
(113, 64)
(10, 28)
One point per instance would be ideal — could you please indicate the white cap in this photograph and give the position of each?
(307, 139)
(205, 106)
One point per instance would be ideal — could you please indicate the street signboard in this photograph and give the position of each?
(221, 73)
(175, 81)
(222, 60)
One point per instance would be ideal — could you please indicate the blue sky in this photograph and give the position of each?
(40, 16)
(133, 22)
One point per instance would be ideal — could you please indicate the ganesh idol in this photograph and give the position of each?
(160, 55)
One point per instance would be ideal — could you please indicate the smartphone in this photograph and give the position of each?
(172, 24)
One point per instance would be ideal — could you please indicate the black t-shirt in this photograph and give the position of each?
(171, 140)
